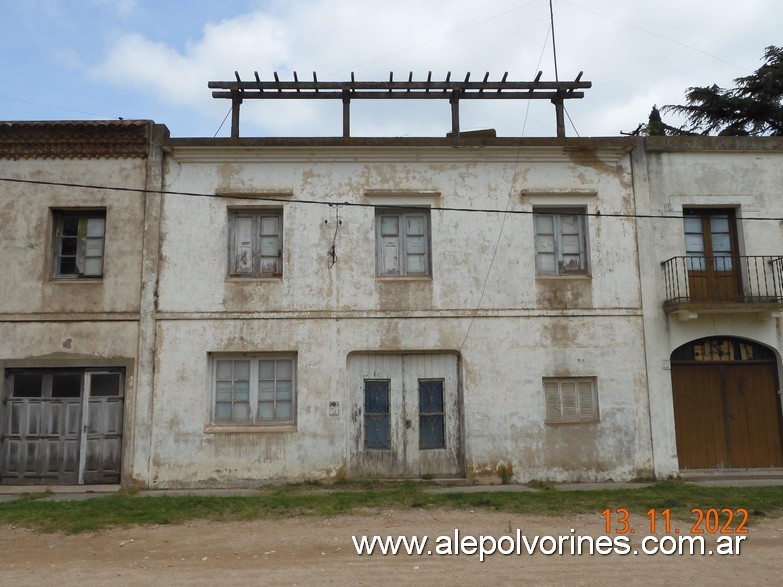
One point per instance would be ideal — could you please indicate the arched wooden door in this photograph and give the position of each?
(726, 406)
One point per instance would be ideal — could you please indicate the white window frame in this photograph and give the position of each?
(555, 244)
(255, 394)
(395, 247)
(570, 400)
(90, 243)
(252, 233)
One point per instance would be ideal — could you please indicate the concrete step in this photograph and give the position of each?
(693, 475)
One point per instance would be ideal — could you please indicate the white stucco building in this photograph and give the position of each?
(483, 308)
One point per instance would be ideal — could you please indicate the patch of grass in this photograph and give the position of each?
(128, 509)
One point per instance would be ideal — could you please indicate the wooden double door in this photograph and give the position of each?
(727, 410)
(62, 426)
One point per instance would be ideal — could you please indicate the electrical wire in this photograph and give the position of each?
(286, 200)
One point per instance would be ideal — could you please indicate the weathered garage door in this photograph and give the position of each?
(726, 406)
(405, 415)
(62, 426)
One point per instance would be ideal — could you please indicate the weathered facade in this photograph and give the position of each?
(712, 295)
(288, 309)
(75, 301)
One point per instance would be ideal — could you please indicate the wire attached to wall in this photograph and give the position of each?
(332, 253)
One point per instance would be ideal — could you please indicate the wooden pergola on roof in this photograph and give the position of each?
(453, 91)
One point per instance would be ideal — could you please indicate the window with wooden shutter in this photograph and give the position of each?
(255, 243)
(560, 241)
(78, 243)
(570, 400)
(403, 242)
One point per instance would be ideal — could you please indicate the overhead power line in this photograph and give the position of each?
(287, 200)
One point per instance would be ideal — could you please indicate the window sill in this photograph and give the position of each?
(383, 278)
(234, 279)
(574, 276)
(97, 279)
(249, 429)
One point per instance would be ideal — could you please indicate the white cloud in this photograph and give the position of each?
(631, 69)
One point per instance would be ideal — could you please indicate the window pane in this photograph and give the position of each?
(266, 390)
(430, 397)
(224, 391)
(376, 397)
(431, 432)
(283, 411)
(241, 390)
(269, 226)
(719, 225)
(104, 384)
(28, 385)
(284, 368)
(93, 265)
(693, 224)
(284, 390)
(70, 226)
(242, 370)
(570, 245)
(389, 226)
(224, 370)
(66, 385)
(377, 432)
(222, 411)
(416, 225)
(545, 224)
(416, 264)
(68, 245)
(694, 243)
(545, 263)
(569, 224)
(95, 227)
(266, 370)
(415, 244)
(721, 243)
(266, 411)
(270, 246)
(241, 412)
(93, 247)
(545, 244)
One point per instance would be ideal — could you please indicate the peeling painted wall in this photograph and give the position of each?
(527, 327)
(706, 172)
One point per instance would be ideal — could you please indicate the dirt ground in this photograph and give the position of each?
(319, 551)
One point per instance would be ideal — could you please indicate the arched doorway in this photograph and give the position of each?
(726, 406)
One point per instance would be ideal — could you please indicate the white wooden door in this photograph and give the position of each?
(405, 415)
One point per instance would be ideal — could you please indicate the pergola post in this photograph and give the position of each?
(235, 103)
(454, 100)
(346, 114)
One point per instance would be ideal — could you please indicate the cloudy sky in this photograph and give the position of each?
(152, 59)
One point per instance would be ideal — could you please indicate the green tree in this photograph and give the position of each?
(753, 107)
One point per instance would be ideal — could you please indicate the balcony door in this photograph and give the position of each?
(711, 248)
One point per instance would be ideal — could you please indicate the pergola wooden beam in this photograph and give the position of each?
(453, 91)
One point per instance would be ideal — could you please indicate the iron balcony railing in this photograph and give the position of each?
(723, 279)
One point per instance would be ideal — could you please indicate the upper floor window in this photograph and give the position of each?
(78, 243)
(402, 242)
(561, 242)
(255, 243)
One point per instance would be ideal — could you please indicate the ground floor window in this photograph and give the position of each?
(254, 389)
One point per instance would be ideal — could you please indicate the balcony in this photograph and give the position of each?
(723, 285)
